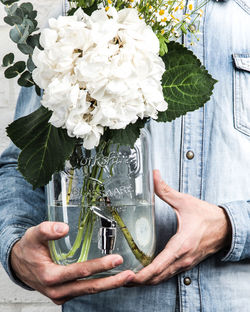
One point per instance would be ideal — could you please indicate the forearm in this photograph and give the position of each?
(21, 207)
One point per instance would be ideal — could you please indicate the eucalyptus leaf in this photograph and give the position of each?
(8, 59)
(12, 20)
(33, 15)
(38, 90)
(34, 41)
(19, 13)
(8, 2)
(44, 147)
(25, 48)
(30, 64)
(10, 10)
(26, 80)
(11, 72)
(19, 33)
(186, 84)
(27, 7)
(20, 66)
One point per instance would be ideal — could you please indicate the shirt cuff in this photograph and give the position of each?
(11, 235)
(239, 215)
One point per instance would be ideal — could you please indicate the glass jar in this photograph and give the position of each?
(106, 197)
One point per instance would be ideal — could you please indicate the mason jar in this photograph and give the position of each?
(106, 197)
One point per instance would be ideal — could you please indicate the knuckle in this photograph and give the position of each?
(158, 270)
(84, 271)
(186, 247)
(166, 189)
(46, 279)
(42, 228)
(53, 294)
(187, 263)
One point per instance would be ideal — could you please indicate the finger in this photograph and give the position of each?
(46, 231)
(164, 191)
(61, 274)
(167, 258)
(89, 286)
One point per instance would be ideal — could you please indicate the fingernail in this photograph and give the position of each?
(60, 227)
(117, 261)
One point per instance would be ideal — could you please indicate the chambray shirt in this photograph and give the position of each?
(206, 154)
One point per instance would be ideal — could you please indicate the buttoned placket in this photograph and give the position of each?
(191, 181)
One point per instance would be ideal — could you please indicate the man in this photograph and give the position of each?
(205, 266)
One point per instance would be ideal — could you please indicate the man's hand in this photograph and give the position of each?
(203, 229)
(32, 264)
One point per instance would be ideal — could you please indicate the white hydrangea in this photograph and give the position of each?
(99, 71)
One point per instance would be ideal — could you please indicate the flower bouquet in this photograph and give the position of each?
(103, 71)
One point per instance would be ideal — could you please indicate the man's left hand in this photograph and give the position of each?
(203, 229)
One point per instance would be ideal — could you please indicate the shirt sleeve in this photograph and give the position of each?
(21, 207)
(239, 216)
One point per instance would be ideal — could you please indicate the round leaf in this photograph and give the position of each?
(30, 65)
(19, 33)
(25, 80)
(33, 41)
(8, 59)
(25, 48)
(20, 66)
(8, 2)
(12, 20)
(10, 72)
(27, 7)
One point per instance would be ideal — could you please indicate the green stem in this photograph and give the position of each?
(140, 255)
(79, 236)
(87, 240)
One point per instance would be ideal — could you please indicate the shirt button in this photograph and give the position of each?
(190, 155)
(187, 281)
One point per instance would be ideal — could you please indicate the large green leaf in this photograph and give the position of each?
(187, 85)
(126, 136)
(44, 147)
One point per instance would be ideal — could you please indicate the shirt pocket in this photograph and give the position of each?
(242, 93)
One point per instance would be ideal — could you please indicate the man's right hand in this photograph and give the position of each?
(31, 262)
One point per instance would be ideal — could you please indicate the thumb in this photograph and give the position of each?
(46, 231)
(164, 191)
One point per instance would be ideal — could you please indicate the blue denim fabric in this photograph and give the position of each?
(219, 136)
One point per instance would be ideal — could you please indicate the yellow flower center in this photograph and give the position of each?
(161, 12)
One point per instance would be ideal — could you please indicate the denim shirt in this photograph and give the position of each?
(218, 137)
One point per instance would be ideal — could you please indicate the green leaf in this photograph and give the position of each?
(20, 66)
(19, 33)
(12, 20)
(34, 41)
(15, 70)
(126, 136)
(90, 7)
(44, 147)
(26, 80)
(187, 85)
(8, 59)
(25, 48)
(8, 2)
(27, 7)
(11, 72)
(30, 64)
